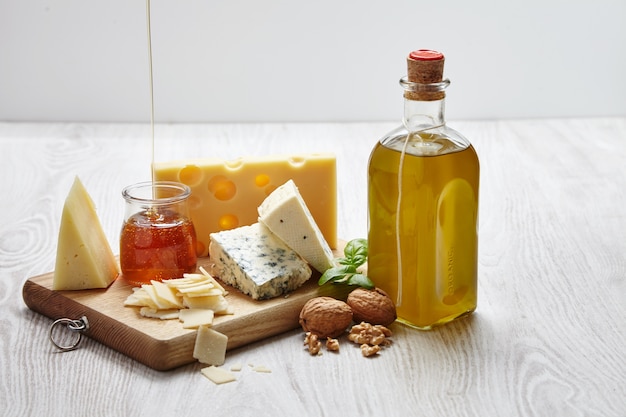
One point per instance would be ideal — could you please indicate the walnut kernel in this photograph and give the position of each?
(313, 343)
(367, 350)
(366, 333)
(332, 344)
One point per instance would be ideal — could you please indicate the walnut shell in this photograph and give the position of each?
(372, 306)
(325, 317)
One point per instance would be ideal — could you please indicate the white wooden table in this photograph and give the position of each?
(548, 337)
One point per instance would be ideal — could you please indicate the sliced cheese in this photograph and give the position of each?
(225, 194)
(218, 375)
(84, 257)
(159, 314)
(236, 367)
(217, 303)
(165, 294)
(196, 317)
(262, 369)
(210, 346)
(144, 300)
(194, 291)
(160, 303)
(286, 214)
(254, 260)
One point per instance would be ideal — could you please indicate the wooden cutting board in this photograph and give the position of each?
(164, 344)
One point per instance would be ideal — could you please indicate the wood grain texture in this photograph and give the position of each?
(165, 344)
(548, 337)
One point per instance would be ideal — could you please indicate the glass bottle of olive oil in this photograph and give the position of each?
(423, 182)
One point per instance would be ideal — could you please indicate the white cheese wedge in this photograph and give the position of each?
(286, 214)
(254, 260)
(210, 346)
(84, 257)
(218, 375)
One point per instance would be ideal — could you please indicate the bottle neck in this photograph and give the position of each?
(421, 115)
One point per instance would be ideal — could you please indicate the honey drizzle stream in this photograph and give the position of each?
(152, 174)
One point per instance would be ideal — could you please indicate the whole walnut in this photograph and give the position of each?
(372, 306)
(325, 317)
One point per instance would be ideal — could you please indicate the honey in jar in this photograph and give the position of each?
(158, 239)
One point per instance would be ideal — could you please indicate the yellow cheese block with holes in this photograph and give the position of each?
(225, 194)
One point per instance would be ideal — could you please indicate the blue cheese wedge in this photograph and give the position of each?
(286, 214)
(254, 260)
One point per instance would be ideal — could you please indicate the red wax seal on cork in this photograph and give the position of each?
(425, 66)
(425, 55)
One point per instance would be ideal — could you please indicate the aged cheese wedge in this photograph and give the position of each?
(225, 194)
(84, 257)
(286, 214)
(210, 346)
(254, 260)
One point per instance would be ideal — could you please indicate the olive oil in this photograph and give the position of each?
(423, 184)
(433, 239)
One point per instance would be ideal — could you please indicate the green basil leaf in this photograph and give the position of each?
(356, 252)
(336, 274)
(361, 281)
(329, 275)
(346, 273)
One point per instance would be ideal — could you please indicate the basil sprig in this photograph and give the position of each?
(355, 254)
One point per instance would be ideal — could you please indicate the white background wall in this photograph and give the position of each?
(294, 60)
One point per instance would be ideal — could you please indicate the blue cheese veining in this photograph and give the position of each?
(254, 260)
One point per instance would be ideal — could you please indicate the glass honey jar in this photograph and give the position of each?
(158, 239)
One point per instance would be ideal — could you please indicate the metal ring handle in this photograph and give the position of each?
(75, 326)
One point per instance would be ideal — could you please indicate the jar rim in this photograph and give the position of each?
(183, 192)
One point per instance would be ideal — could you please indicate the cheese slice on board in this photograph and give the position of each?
(286, 214)
(210, 346)
(84, 257)
(225, 194)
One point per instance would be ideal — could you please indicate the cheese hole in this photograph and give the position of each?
(222, 188)
(228, 221)
(297, 161)
(262, 180)
(190, 175)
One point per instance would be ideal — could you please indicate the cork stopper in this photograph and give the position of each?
(424, 67)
